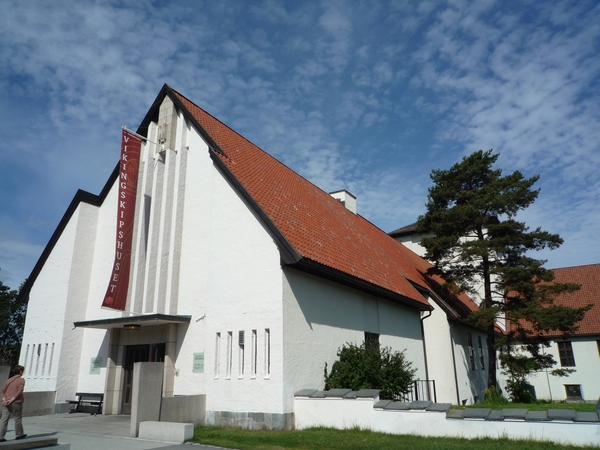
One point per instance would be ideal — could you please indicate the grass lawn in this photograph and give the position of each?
(537, 406)
(322, 438)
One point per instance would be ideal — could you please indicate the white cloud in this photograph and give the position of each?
(364, 95)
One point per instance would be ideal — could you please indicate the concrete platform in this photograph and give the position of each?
(88, 432)
(166, 431)
(39, 443)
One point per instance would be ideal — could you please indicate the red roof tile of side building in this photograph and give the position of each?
(588, 277)
(317, 231)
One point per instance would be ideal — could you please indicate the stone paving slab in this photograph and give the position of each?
(514, 413)
(455, 414)
(382, 403)
(439, 407)
(398, 406)
(336, 392)
(495, 415)
(421, 404)
(586, 417)
(536, 416)
(476, 413)
(367, 393)
(562, 414)
(317, 394)
(305, 392)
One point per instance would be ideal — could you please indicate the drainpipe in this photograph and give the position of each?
(425, 353)
(454, 364)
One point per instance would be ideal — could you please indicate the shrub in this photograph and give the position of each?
(358, 368)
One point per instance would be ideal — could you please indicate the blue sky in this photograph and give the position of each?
(369, 96)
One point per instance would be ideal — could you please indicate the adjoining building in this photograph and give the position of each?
(244, 280)
(579, 351)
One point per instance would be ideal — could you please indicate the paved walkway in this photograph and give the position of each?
(88, 432)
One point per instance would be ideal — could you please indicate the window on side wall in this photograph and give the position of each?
(573, 391)
(371, 341)
(565, 352)
(471, 351)
(481, 356)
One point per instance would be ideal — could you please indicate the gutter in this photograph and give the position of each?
(425, 351)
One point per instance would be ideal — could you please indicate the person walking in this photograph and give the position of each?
(12, 403)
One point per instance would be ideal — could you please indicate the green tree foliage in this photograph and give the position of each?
(12, 322)
(476, 242)
(358, 368)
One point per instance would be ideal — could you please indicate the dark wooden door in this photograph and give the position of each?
(133, 354)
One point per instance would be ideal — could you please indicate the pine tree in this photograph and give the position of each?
(475, 241)
(12, 323)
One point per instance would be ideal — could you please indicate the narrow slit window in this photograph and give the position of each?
(254, 352)
(44, 360)
(229, 353)
(26, 355)
(218, 355)
(267, 351)
(241, 345)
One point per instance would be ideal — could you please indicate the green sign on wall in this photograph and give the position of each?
(95, 365)
(198, 362)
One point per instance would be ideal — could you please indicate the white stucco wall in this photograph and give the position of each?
(230, 281)
(471, 382)
(448, 359)
(439, 347)
(59, 297)
(347, 414)
(321, 316)
(587, 370)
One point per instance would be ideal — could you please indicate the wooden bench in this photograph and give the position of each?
(87, 402)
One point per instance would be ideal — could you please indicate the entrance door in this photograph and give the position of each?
(133, 354)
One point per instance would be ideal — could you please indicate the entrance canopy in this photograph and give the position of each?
(133, 322)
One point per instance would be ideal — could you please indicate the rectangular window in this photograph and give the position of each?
(481, 356)
(565, 352)
(598, 345)
(218, 355)
(371, 341)
(254, 354)
(229, 353)
(267, 352)
(241, 345)
(573, 391)
(471, 351)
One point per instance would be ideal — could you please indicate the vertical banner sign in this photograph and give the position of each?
(116, 294)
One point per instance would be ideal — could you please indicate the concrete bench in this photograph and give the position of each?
(166, 431)
(25, 444)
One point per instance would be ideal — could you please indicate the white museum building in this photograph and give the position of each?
(206, 254)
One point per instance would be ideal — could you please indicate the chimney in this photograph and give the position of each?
(346, 198)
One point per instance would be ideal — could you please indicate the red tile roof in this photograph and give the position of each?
(317, 226)
(589, 279)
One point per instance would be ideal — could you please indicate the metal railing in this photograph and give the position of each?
(423, 390)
